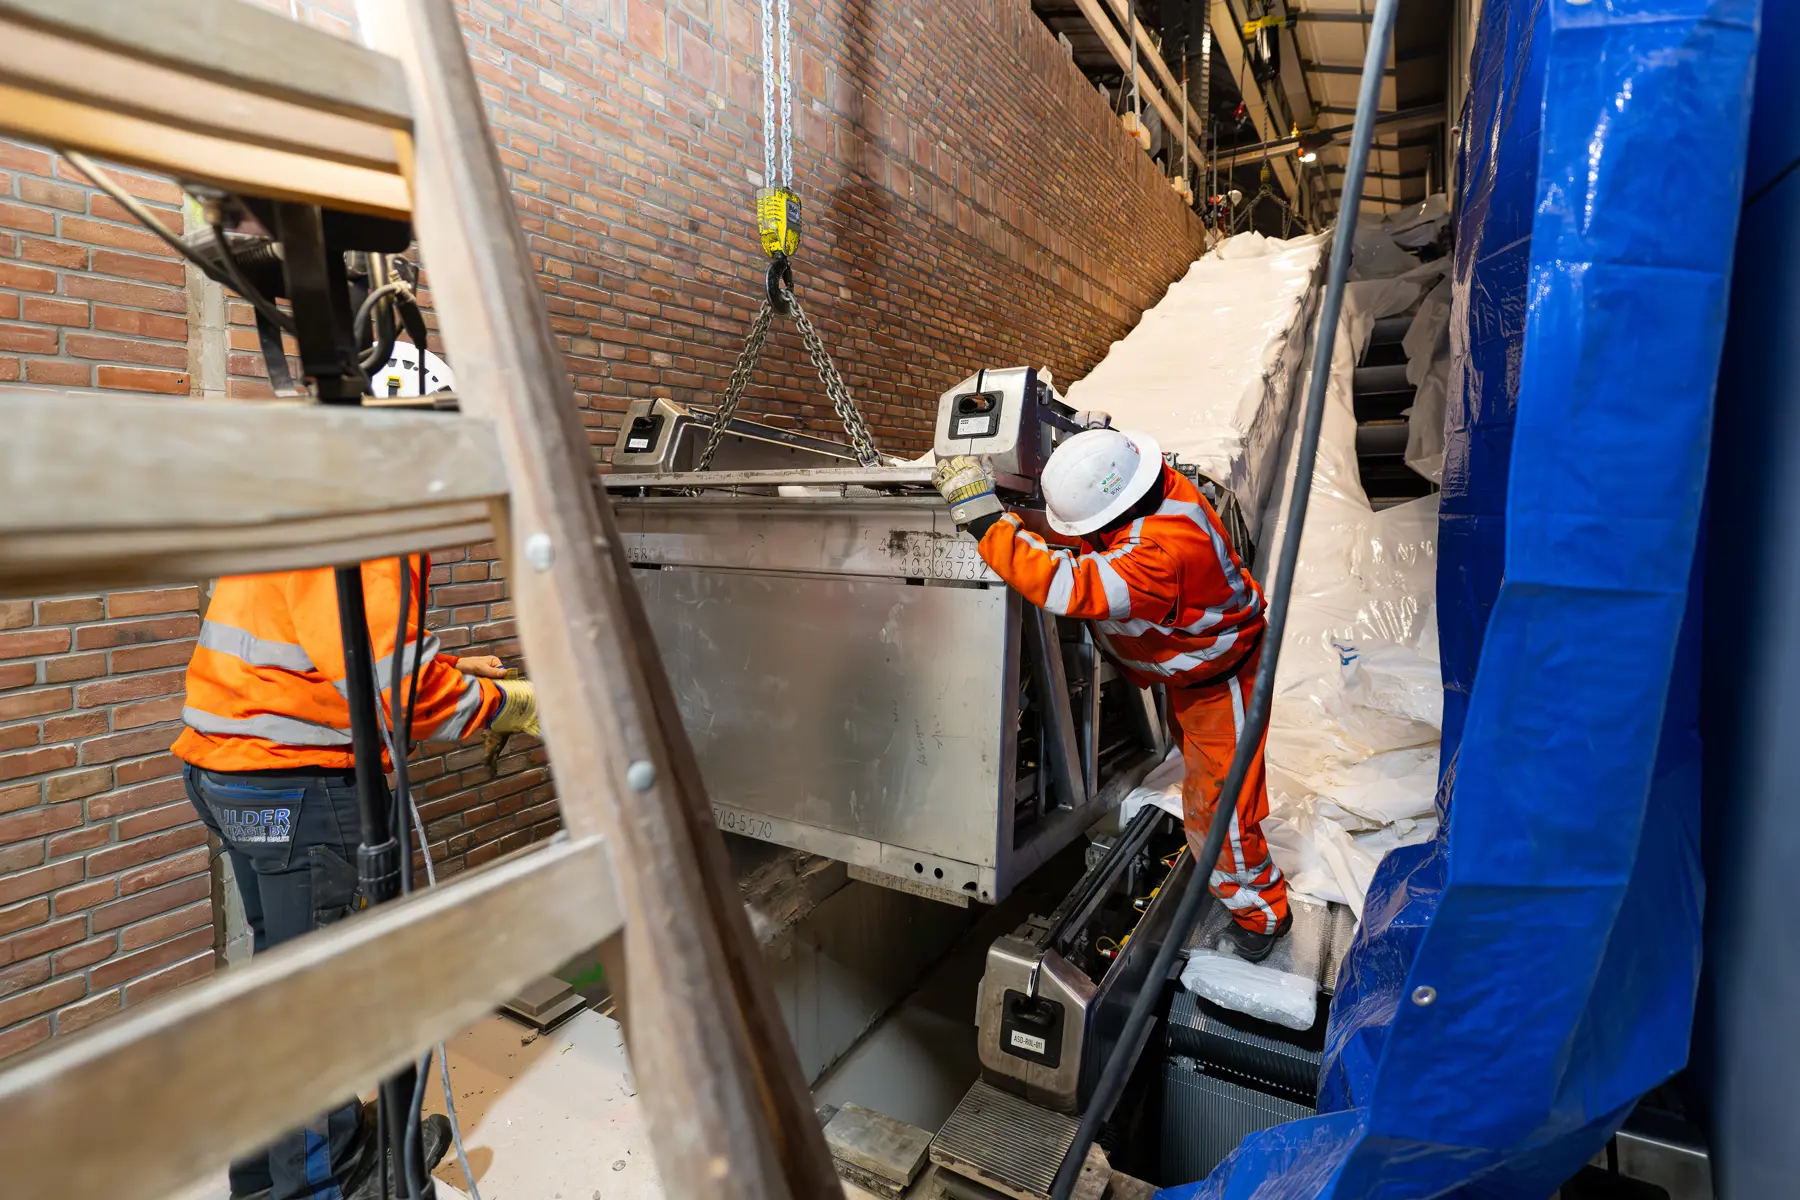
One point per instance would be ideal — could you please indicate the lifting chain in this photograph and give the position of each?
(778, 220)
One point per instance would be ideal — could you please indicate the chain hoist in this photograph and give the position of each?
(778, 226)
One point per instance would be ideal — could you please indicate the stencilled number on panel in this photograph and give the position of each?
(956, 558)
(733, 821)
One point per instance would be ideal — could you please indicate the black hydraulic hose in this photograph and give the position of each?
(1187, 913)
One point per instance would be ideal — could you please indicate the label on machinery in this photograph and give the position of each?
(982, 426)
(1026, 1041)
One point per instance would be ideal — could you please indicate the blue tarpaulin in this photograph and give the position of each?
(1520, 981)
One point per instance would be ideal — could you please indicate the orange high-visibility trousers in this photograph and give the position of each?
(1208, 720)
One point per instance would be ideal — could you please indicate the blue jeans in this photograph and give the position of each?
(292, 838)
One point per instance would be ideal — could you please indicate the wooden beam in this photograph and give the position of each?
(1146, 49)
(728, 1110)
(1228, 35)
(112, 490)
(177, 1088)
(235, 44)
(1121, 52)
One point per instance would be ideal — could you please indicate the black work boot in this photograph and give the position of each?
(1251, 946)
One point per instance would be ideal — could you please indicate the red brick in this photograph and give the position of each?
(27, 279)
(21, 795)
(69, 374)
(23, 216)
(84, 896)
(21, 916)
(22, 975)
(121, 236)
(198, 967)
(20, 705)
(41, 1000)
(646, 28)
(139, 323)
(14, 675)
(54, 195)
(120, 688)
(135, 799)
(143, 962)
(56, 312)
(132, 266)
(10, 369)
(156, 767)
(148, 933)
(129, 633)
(149, 904)
(154, 820)
(124, 350)
(27, 339)
(29, 643)
(45, 879)
(53, 254)
(83, 956)
(14, 737)
(152, 603)
(24, 1037)
(80, 841)
(42, 940)
(77, 725)
(15, 614)
(68, 612)
(145, 658)
(113, 291)
(143, 850)
(115, 746)
(140, 379)
(74, 666)
(33, 762)
(77, 784)
(21, 856)
(94, 1008)
(168, 870)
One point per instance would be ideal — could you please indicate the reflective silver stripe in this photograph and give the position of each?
(1139, 627)
(258, 652)
(1237, 709)
(1118, 595)
(455, 727)
(1188, 661)
(384, 667)
(429, 650)
(1062, 588)
(288, 731)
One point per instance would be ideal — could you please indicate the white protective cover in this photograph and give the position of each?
(1427, 348)
(1353, 738)
(1210, 371)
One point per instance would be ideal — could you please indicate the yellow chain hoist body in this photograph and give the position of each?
(778, 220)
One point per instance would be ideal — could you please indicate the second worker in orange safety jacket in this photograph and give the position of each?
(272, 774)
(1143, 557)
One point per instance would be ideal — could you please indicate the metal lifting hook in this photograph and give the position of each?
(780, 283)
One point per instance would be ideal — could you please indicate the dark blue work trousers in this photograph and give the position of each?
(292, 838)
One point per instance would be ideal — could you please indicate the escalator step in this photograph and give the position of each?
(1390, 329)
(1380, 379)
(1383, 406)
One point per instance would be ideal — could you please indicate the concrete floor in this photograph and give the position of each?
(550, 1117)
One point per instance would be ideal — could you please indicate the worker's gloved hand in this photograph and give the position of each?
(486, 666)
(968, 487)
(518, 708)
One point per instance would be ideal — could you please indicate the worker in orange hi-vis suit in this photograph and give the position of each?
(272, 773)
(1144, 558)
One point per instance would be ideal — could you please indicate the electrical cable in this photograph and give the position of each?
(228, 264)
(403, 795)
(1117, 1071)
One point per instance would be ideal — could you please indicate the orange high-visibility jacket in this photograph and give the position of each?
(1169, 599)
(265, 688)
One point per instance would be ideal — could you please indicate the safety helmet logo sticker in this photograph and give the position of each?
(1113, 484)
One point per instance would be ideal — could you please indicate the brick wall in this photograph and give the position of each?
(970, 201)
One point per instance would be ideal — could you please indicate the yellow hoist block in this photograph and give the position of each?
(778, 220)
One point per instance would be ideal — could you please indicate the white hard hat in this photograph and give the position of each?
(1096, 475)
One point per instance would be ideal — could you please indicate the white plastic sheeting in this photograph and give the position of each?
(1210, 371)
(1427, 348)
(1353, 736)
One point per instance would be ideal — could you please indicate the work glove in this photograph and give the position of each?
(518, 707)
(968, 487)
(518, 714)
